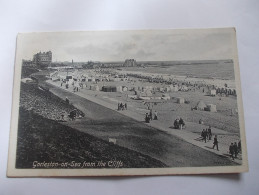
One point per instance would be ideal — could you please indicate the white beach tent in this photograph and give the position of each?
(148, 93)
(180, 100)
(201, 105)
(166, 97)
(212, 92)
(212, 107)
(124, 88)
(119, 88)
(94, 88)
(174, 87)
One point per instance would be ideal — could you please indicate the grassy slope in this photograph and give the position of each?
(47, 140)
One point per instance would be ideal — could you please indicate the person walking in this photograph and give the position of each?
(125, 105)
(176, 123)
(215, 143)
(239, 146)
(147, 119)
(231, 151)
(155, 115)
(235, 149)
(151, 115)
(209, 133)
(67, 100)
(203, 135)
(181, 123)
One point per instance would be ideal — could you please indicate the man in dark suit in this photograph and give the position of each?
(231, 150)
(215, 143)
(209, 133)
(235, 149)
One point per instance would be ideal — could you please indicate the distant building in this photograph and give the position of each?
(130, 63)
(42, 58)
(91, 65)
(109, 88)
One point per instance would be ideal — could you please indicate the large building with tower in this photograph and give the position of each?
(42, 58)
(130, 62)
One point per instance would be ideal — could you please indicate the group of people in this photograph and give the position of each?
(206, 134)
(122, 106)
(179, 123)
(149, 116)
(76, 89)
(234, 149)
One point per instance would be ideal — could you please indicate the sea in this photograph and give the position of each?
(219, 72)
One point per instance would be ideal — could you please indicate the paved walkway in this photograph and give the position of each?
(184, 134)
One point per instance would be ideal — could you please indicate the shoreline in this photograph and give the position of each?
(195, 80)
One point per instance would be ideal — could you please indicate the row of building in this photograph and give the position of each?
(44, 59)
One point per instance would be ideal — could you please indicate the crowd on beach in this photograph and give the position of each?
(75, 85)
(178, 123)
(190, 86)
(46, 104)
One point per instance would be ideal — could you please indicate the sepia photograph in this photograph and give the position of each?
(122, 103)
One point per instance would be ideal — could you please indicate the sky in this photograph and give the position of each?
(145, 45)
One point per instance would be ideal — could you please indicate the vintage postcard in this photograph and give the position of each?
(116, 103)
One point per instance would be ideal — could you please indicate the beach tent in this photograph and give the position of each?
(167, 89)
(147, 88)
(212, 107)
(119, 88)
(94, 87)
(180, 100)
(109, 88)
(69, 77)
(212, 92)
(166, 97)
(184, 88)
(148, 93)
(174, 87)
(124, 88)
(161, 89)
(201, 105)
